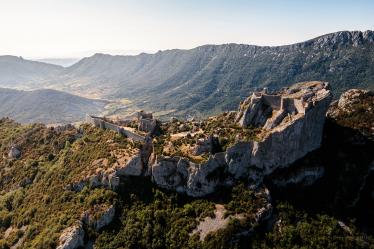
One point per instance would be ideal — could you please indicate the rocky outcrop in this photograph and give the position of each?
(292, 122)
(346, 102)
(72, 237)
(106, 179)
(294, 127)
(99, 216)
(355, 109)
(187, 177)
(133, 167)
(132, 163)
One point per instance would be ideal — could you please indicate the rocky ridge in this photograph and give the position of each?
(292, 116)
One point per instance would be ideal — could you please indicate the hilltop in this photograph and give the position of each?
(212, 183)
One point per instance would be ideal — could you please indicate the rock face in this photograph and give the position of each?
(99, 217)
(292, 122)
(132, 163)
(187, 177)
(355, 109)
(133, 167)
(72, 237)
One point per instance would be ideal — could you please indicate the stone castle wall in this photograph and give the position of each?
(101, 123)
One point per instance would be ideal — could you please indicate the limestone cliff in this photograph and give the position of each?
(291, 123)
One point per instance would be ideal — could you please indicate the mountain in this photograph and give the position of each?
(46, 106)
(16, 72)
(207, 79)
(65, 62)
(212, 78)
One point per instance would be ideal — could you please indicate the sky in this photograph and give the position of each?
(77, 28)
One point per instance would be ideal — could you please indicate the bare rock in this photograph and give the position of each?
(346, 102)
(204, 178)
(303, 176)
(72, 237)
(165, 172)
(295, 127)
(238, 159)
(99, 216)
(196, 180)
(133, 167)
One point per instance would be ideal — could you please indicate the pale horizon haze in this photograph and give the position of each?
(78, 28)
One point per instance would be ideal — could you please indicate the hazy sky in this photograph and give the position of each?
(71, 28)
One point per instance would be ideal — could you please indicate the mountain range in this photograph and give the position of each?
(207, 79)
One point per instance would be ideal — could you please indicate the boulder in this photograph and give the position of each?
(14, 153)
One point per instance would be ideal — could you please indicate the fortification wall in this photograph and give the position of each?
(101, 123)
(274, 101)
(299, 106)
(132, 135)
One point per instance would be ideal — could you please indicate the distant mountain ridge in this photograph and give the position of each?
(18, 72)
(214, 78)
(46, 106)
